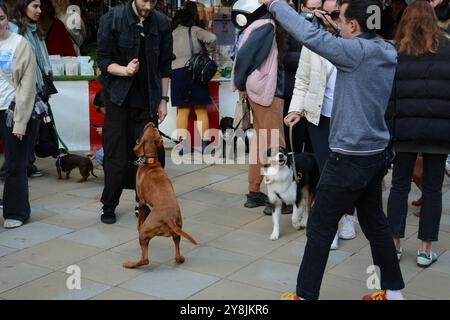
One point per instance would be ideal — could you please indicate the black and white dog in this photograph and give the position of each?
(282, 187)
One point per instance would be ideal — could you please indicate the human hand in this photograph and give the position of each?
(242, 95)
(132, 68)
(162, 111)
(90, 155)
(435, 3)
(99, 130)
(326, 18)
(18, 136)
(292, 119)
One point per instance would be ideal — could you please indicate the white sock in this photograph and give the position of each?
(394, 295)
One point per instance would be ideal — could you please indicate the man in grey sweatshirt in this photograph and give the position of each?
(358, 140)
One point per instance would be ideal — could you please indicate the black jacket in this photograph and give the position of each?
(420, 119)
(290, 61)
(118, 42)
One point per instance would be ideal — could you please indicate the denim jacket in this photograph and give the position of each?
(118, 42)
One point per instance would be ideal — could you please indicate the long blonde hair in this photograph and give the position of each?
(60, 7)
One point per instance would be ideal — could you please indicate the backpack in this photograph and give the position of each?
(203, 68)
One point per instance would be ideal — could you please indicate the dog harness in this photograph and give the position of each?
(58, 161)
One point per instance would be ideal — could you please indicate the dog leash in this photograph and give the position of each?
(162, 134)
(170, 138)
(296, 177)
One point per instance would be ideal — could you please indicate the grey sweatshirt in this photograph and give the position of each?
(366, 69)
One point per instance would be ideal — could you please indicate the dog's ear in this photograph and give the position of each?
(159, 143)
(139, 149)
(289, 161)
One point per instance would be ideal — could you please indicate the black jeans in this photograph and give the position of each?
(433, 177)
(16, 204)
(319, 138)
(121, 128)
(32, 139)
(348, 181)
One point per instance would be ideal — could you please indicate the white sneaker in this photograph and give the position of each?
(347, 228)
(12, 223)
(447, 164)
(335, 244)
(399, 252)
(425, 260)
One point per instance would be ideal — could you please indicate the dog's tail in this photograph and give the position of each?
(180, 232)
(92, 172)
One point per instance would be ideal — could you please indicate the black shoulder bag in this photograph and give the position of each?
(49, 88)
(203, 68)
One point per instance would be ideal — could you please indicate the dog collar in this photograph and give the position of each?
(146, 160)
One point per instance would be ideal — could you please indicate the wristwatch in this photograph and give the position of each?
(165, 98)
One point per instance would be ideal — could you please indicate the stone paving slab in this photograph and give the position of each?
(169, 283)
(31, 234)
(235, 258)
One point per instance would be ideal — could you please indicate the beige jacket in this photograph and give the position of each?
(24, 79)
(182, 49)
(310, 84)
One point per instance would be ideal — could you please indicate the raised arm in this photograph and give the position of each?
(345, 54)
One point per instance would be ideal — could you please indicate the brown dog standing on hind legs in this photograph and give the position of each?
(154, 188)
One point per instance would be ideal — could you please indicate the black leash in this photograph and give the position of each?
(296, 177)
(170, 138)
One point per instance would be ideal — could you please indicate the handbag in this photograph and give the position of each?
(49, 88)
(47, 144)
(203, 68)
(242, 115)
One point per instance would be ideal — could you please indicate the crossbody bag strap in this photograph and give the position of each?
(191, 44)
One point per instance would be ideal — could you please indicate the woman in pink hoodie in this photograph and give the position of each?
(259, 76)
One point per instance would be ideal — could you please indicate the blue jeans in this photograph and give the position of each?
(99, 155)
(348, 181)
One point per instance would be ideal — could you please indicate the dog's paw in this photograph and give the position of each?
(274, 236)
(303, 222)
(179, 259)
(297, 225)
(135, 264)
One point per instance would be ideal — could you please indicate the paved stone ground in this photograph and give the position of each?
(234, 259)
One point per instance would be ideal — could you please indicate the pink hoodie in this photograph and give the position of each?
(262, 82)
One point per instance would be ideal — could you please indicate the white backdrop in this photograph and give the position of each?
(71, 112)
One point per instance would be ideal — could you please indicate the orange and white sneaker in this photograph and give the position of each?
(379, 295)
(289, 296)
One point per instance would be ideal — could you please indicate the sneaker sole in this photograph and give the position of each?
(254, 205)
(426, 265)
(347, 238)
(108, 221)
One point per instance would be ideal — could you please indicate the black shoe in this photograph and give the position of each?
(256, 199)
(206, 143)
(268, 210)
(148, 210)
(1, 203)
(284, 210)
(108, 216)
